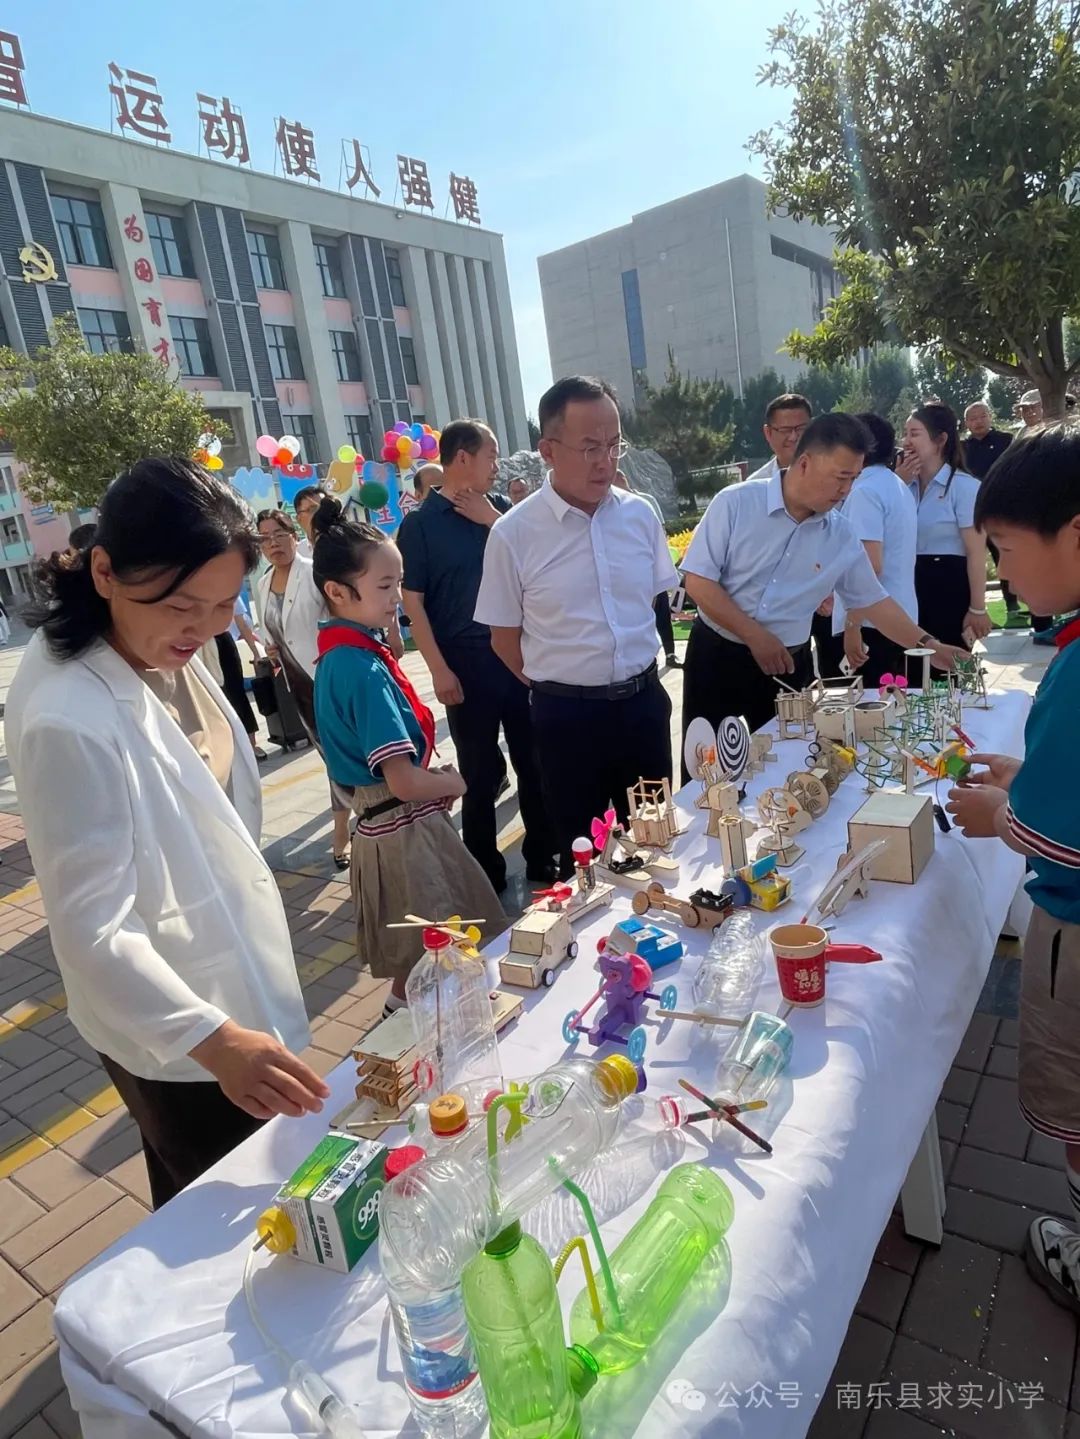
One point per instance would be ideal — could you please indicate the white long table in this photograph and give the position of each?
(158, 1324)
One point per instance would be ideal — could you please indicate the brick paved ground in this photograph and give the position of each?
(72, 1178)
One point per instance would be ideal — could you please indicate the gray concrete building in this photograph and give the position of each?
(293, 309)
(711, 276)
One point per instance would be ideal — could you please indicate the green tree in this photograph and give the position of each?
(951, 383)
(824, 385)
(749, 413)
(534, 431)
(677, 420)
(1002, 395)
(76, 420)
(887, 373)
(940, 140)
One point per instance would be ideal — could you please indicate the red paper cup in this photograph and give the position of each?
(800, 952)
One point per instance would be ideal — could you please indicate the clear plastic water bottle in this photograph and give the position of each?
(440, 1214)
(450, 1005)
(728, 977)
(441, 1379)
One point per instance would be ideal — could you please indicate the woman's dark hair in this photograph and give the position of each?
(163, 518)
(309, 492)
(883, 449)
(1035, 484)
(940, 420)
(343, 547)
(280, 518)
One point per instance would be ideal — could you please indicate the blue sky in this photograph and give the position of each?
(570, 115)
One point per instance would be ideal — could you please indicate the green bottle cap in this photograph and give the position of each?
(583, 1368)
(506, 1241)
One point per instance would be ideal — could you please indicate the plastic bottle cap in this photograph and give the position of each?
(402, 1158)
(620, 1075)
(275, 1229)
(448, 1115)
(436, 938)
(583, 1370)
(506, 1241)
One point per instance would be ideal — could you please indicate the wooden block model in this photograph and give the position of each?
(871, 716)
(906, 822)
(384, 1062)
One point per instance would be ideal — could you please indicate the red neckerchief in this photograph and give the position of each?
(331, 637)
(1068, 634)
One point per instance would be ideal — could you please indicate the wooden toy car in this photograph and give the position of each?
(703, 907)
(634, 936)
(540, 941)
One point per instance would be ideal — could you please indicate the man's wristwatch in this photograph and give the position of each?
(927, 642)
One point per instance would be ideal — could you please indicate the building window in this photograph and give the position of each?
(264, 247)
(328, 259)
(285, 361)
(346, 355)
(106, 332)
(303, 427)
(358, 429)
(82, 231)
(408, 360)
(635, 328)
(393, 274)
(824, 285)
(191, 341)
(169, 242)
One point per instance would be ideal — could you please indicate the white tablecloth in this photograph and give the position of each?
(158, 1323)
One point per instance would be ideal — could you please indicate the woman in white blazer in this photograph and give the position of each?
(140, 796)
(291, 607)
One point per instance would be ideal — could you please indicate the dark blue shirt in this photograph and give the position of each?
(443, 555)
(981, 454)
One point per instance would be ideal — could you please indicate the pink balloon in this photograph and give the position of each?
(267, 446)
(390, 438)
(390, 454)
(414, 450)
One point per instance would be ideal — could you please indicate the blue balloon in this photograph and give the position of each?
(416, 431)
(371, 470)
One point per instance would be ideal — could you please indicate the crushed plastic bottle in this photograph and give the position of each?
(728, 978)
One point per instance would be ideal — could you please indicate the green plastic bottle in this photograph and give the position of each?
(653, 1266)
(531, 1381)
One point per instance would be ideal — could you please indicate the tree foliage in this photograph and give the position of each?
(954, 385)
(939, 139)
(76, 420)
(678, 421)
(750, 412)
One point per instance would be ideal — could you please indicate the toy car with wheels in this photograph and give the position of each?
(540, 941)
(704, 908)
(634, 936)
(624, 988)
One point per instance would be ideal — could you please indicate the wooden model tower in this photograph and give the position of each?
(653, 820)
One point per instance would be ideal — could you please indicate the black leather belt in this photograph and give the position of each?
(621, 691)
(383, 807)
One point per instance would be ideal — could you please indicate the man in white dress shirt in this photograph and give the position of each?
(786, 418)
(570, 576)
(765, 555)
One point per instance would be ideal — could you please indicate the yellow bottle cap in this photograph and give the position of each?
(618, 1074)
(276, 1231)
(448, 1115)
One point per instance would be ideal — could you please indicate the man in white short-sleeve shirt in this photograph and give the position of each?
(765, 555)
(569, 580)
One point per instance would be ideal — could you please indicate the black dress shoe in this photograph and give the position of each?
(542, 873)
(673, 662)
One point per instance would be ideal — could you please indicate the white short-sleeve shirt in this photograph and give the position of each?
(580, 587)
(881, 508)
(775, 568)
(944, 509)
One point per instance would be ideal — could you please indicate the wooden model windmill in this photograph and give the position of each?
(718, 758)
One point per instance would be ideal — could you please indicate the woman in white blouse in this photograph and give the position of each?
(165, 919)
(950, 563)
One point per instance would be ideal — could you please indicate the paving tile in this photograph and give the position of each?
(16, 1295)
(1006, 1178)
(19, 1249)
(36, 1428)
(344, 979)
(949, 1151)
(104, 1128)
(975, 1046)
(986, 1220)
(51, 1086)
(951, 1119)
(860, 1362)
(897, 1249)
(898, 1424)
(998, 1416)
(950, 1298)
(884, 1295)
(1031, 1339)
(58, 1264)
(26, 1336)
(21, 1048)
(57, 1027)
(131, 1175)
(57, 1118)
(1002, 1061)
(318, 1000)
(53, 1178)
(1044, 1150)
(320, 1060)
(125, 1144)
(960, 1086)
(16, 1209)
(62, 1419)
(995, 1121)
(95, 1092)
(338, 1035)
(1009, 1033)
(28, 1391)
(34, 1071)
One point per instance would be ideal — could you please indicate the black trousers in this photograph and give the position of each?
(185, 1128)
(232, 682)
(722, 678)
(592, 750)
(1006, 593)
(886, 658)
(830, 647)
(944, 596)
(662, 610)
(494, 699)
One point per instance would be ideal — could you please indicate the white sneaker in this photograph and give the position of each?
(1053, 1260)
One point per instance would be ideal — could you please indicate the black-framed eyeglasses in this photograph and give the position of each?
(592, 454)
